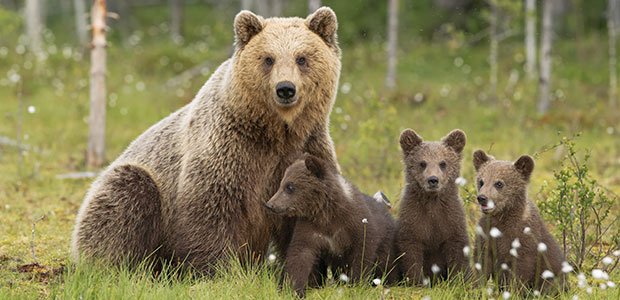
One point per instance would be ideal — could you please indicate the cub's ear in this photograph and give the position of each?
(323, 22)
(247, 25)
(525, 166)
(456, 140)
(315, 166)
(480, 158)
(409, 140)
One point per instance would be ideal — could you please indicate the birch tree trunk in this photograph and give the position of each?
(530, 39)
(313, 5)
(80, 22)
(176, 19)
(96, 121)
(247, 4)
(34, 25)
(390, 77)
(544, 88)
(493, 50)
(613, 76)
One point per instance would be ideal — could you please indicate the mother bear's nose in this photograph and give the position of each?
(285, 90)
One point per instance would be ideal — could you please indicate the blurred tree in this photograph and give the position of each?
(80, 22)
(123, 9)
(544, 96)
(451, 4)
(530, 38)
(612, 26)
(313, 5)
(176, 20)
(9, 4)
(269, 8)
(96, 121)
(34, 25)
(390, 77)
(247, 4)
(493, 49)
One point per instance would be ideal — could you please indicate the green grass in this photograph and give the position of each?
(366, 123)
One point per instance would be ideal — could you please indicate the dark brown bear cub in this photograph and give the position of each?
(431, 226)
(512, 237)
(336, 224)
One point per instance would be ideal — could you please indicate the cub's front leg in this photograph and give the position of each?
(301, 256)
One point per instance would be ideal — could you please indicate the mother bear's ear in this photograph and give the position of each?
(247, 25)
(323, 22)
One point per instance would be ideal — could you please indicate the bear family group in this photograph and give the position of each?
(249, 164)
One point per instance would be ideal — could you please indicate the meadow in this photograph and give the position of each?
(442, 85)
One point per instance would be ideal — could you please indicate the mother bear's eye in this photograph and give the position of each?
(289, 188)
(301, 61)
(269, 61)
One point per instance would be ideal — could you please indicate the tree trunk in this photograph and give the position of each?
(390, 78)
(96, 137)
(176, 19)
(530, 39)
(247, 4)
(613, 76)
(494, 42)
(34, 25)
(268, 8)
(313, 5)
(80, 22)
(544, 88)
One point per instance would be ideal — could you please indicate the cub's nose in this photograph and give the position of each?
(285, 90)
(482, 199)
(433, 181)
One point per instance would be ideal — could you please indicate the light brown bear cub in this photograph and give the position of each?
(336, 224)
(431, 226)
(511, 221)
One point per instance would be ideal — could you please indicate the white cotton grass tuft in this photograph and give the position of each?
(546, 274)
(616, 253)
(566, 267)
(516, 243)
(271, 257)
(527, 230)
(426, 281)
(479, 231)
(581, 280)
(602, 286)
(607, 260)
(575, 297)
(460, 181)
(426, 297)
(504, 266)
(513, 252)
(376, 281)
(600, 274)
(344, 277)
(494, 232)
(611, 284)
(365, 221)
(589, 290)
(490, 291)
(478, 266)
(435, 269)
(466, 251)
(32, 109)
(506, 295)
(536, 293)
(542, 247)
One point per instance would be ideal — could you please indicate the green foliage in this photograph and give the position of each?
(10, 24)
(581, 209)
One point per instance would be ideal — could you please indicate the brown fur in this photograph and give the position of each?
(505, 183)
(431, 224)
(192, 187)
(329, 228)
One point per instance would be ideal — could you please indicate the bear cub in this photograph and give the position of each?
(431, 225)
(512, 237)
(335, 224)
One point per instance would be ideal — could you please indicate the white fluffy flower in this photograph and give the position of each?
(32, 109)
(425, 281)
(600, 274)
(516, 243)
(426, 298)
(376, 281)
(478, 266)
(365, 221)
(504, 266)
(611, 284)
(617, 253)
(494, 232)
(589, 290)
(506, 295)
(513, 252)
(575, 297)
(546, 274)
(479, 231)
(581, 280)
(527, 230)
(490, 291)
(466, 250)
(602, 286)
(536, 293)
(607, 260)
(271, 257)
(344, 277)
(542, 247)
(435, 268)
(460, 181)
(566, 267)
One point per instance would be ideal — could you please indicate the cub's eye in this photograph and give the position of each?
(301, 61)
(269, 61)
(442, 165)
(422, 164)
(499, 184)
(289, 188)
(480, 183)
